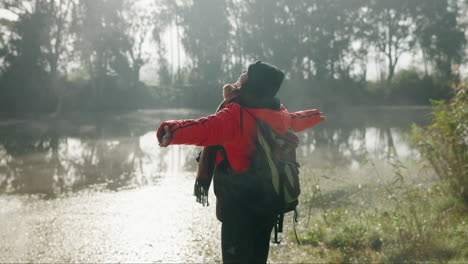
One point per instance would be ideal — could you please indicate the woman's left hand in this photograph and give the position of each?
(166, 139)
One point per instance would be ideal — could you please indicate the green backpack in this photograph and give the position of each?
(271, 185)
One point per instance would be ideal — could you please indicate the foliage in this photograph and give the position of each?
(440, 35)
(388, 219)
(412, 87)
(205, 27)
(24, 57)
(326, 48)
(390, 29)
(444, 143)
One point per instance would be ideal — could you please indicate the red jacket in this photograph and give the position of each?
(224, 128)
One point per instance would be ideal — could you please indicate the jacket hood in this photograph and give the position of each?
(278, 120)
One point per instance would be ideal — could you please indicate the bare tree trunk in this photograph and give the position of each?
(172, 50)
(425, 62)
(178, 48)
(390, 142)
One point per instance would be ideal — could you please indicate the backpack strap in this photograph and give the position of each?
(280, 218)
(278, 227)
(295, 220)
(276, 241)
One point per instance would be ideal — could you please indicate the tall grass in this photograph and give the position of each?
(385, 219)
(444, 143)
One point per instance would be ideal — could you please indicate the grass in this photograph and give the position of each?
(387, 212)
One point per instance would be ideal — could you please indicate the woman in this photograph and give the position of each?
(245, 235)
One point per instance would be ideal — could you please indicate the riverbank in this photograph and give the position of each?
(384, 212)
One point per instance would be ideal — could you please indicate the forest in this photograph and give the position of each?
(87, 55)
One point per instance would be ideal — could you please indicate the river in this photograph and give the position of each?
(97, 188)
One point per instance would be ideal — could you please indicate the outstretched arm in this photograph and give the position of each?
(206, 131)
(303, 120)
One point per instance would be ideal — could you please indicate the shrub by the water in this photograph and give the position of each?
(444, 143)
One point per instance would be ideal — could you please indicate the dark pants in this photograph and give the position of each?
(245, 236)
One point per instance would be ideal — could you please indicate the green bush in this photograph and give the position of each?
(444, 142)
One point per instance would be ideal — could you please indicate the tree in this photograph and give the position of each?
(59, 15)
(330, 28)
(440, 35)
(391, 30)
(6, 27)
(163, 18)
(58, 47)
(205, 35)
(139, 19)
(25, 75)
(310, 39)
(103, 43)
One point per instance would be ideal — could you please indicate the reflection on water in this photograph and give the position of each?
(51, 157)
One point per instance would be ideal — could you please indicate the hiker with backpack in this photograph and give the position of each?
(249, 151)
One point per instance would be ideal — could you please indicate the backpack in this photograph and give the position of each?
(271, 185)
